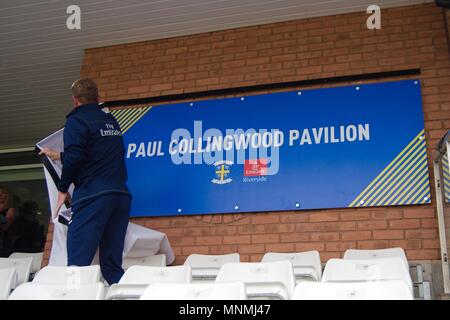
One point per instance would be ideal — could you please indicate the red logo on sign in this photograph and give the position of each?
(255, 167)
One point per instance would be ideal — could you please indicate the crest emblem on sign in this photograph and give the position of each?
(222, 172)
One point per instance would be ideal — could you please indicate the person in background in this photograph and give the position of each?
(26, 233)
(7, 214)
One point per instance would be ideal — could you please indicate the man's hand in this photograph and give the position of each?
(52, 154)
(62, 197)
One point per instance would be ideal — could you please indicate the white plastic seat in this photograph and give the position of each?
(158, 260)
(68, 275)
(206, 267)
(195, 291)
(268, 280)
(22, 267)
(307, 265)
(37, 259)
(136, 279)
(44, 291)
(368, 290)
(7, 280)
(354, 254)
(342, 270)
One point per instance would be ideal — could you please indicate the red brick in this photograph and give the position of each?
(209, 240)
(339, 226)
(319, 217)
(279, 228)
(309, 227)
(372, 244)
(207, 81)
(336, 52)
(429, 223)
(109, 73)
(325, 256)
(256, 257)
(156, 223)
(422, 234)
(172, 232)
(404, 224)
(315, 227)
(267, 238)
(428, 254)
(236, 240)
(388, 234)
(336, 67)
(260, 60)
(263, 219)
(431, 244)
(283, 29)
(294, 237)
(251, 248)
(372, 225)
(433, 124)
(139, 89)
(324, 236)
(309, 70)
(280, 247)
(405, 244)
(349, 57)
(223, 249)
(283, 58)
(340, 246)
(294, 217)
(184, 222)
(356, 235)
(309, 246)
(354, 215)
(391, 214)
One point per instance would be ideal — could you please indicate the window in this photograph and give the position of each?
(22, 176)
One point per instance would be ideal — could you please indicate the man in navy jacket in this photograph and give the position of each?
(93, 160)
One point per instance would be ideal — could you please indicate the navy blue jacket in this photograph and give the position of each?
(94, 154)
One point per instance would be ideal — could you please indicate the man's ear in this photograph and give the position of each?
(75, 101)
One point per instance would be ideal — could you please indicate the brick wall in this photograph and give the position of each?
(411, 37)
(447, 18)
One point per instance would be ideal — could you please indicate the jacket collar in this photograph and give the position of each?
(78, 109)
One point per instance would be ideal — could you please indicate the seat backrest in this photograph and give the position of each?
(145, 275)
(342, 270)
(211, 261)
(304, 263)
(37, 259)
(369, 290)
(136, 279)
(195, 291)
(262, 279)
(158, 260)
(355, 254)
(22, 267)
(206, 267)
(45, 291)
(7, 280)
(68, 275)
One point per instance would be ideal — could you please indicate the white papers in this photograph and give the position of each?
(55, 142)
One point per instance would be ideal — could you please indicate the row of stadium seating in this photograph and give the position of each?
(17, 269)
(361, 274)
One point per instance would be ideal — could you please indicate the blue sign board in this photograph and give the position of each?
(352, 146)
